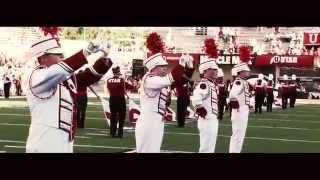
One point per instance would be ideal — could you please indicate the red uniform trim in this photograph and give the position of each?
(102, 65)
(76, 61)
(86, 77)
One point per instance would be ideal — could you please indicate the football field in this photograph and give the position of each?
(293, 130)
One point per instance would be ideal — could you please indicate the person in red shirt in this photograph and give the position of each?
(117, 89)
(269, 93)
(259, 90)
(18, 86)
(183, 96)
(284, 89)
(293, 91)
(222, 94)
(82, 103)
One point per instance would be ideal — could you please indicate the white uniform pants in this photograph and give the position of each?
(208, 129)
(239, 122)
(149, 132)
(44, 139)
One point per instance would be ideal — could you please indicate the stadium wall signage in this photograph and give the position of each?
(288, 61)
(173, 58)
(226, 59)
(311, 38)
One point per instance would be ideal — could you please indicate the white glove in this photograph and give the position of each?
(95, 47)
(105, 48)
(92, 47)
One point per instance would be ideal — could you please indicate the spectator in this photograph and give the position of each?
(17, 83)
(1, 87)
(6, 86)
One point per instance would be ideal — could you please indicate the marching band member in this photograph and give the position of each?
(51, 90)
(240, 101)
(154, 97)
(205, 99)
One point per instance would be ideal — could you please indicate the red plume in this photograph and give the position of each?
(154, 43)
(211, 48)
(244, 53)
(53, 31)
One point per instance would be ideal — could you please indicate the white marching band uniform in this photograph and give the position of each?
(150, 126)
(50, 94)
(153, 97)
(51, 107)
(239, 117)
(205, 95)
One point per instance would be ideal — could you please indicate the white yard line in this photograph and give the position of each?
(132, 128)
(269, 119)
(292, 114)
(4, 114)
(26, 107)
(13, 124)
(258, 119)
(12, 141)
(176, 133)
(271, 127)
(299, 115)
(100, 129)
(259, 138)
(103, 147)
(77, 145)
(277, 139)
(96, 134)
(83, 137)
(102, 118)
(25, 115)
(95, 111)
(18, 147)
(173, 151)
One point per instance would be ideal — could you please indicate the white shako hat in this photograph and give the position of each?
(244, 55)
(209, 62)
(241, 67)
(45, 46)
(47, 43)
(155, 60)
(156, 46)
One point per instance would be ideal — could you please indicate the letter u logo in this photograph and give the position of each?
(313, 37)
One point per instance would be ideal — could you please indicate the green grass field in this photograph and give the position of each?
(290, 131)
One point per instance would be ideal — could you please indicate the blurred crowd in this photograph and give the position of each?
(10, 77)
